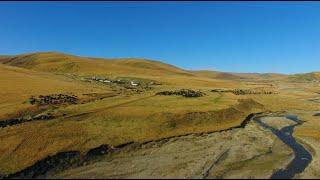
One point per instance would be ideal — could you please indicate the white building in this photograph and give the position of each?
(134, 83)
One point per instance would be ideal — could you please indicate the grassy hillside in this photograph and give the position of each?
(4, 58)
(216, 75)
(58, 62)
(128, 115)
(18, 84)
(113, 120)
(314, 76)
(65, 63)
(239, 76)
(126, 67)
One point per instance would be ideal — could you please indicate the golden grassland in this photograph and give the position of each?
(125, 117)
(18, 84)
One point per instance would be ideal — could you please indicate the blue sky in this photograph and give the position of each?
(225, 36)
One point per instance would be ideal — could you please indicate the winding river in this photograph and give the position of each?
(302, 156)
(64, 160)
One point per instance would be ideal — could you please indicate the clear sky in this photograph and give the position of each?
(225, 36)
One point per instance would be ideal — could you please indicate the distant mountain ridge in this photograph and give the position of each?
(312, 76)
(58, 62)
(66, 63)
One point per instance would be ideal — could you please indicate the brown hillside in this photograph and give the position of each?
(64, 63)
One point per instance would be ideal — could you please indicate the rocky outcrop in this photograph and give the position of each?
(60, 162)
(15, 121)
(72, 159)
(182, 92)
(244, 91)
(54, 99)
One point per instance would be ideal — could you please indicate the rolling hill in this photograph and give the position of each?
(64, 63)
(313, 76)
(87, 66)
(126, 115)
(18, 84)
(216, 75)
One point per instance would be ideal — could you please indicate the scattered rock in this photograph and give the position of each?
(317, 114)
(103, 149)
(182, 92)
(53, 99)
(47, 116)
(60, 162)
(243, 91)
(23, 119)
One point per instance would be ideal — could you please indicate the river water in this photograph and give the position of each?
(302, 156)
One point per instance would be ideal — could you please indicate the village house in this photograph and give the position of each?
(134, 83)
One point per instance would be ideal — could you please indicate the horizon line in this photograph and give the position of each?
(151, 59)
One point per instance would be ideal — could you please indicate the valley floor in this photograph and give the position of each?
(44, 113)
(252, 152)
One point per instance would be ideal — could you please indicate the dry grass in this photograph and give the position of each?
(139, 120)
(120, 119)
(18, 84)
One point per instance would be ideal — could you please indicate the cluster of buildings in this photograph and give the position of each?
(119, 81)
